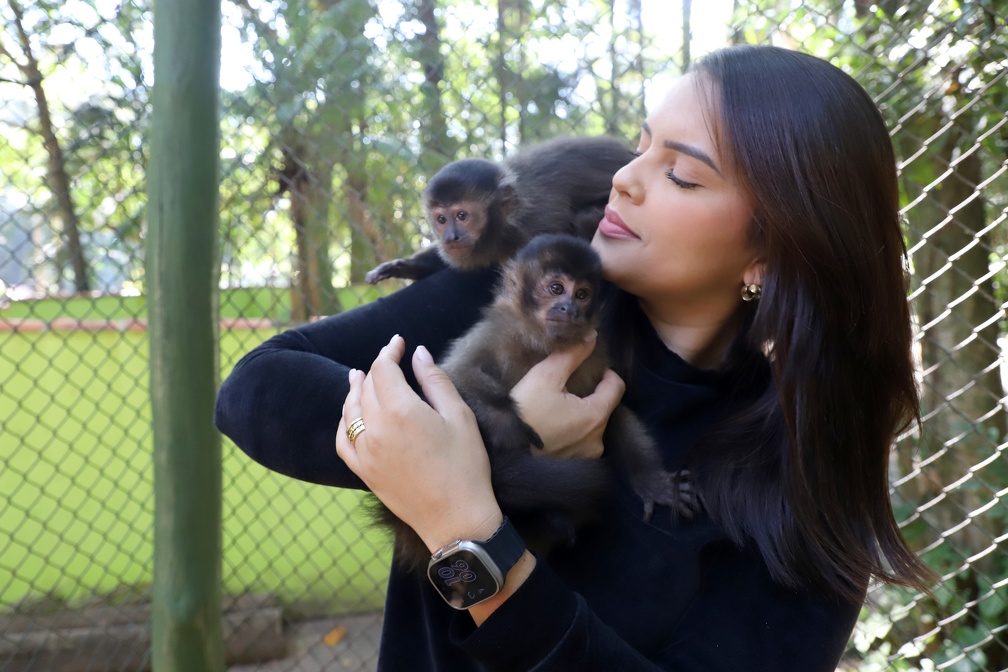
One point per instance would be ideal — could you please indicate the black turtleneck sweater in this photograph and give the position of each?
(628, 595)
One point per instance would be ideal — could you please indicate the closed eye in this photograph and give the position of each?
(680, 183)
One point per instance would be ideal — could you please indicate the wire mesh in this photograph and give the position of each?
(333, 114)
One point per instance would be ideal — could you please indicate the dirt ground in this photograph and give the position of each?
(346, 644)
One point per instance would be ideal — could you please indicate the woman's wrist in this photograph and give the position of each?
(521, 571)
(474, 526)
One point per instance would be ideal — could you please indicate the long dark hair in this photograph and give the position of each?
(802, 470)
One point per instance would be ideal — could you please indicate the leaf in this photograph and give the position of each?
(335, 636)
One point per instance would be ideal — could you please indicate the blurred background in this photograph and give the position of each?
(333, 114)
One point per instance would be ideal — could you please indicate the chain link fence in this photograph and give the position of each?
(333, 114)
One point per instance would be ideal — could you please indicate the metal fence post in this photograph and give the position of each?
(182, 271)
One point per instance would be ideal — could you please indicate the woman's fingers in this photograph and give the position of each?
(346, 449)
(608, 393)
(559, 365)
(437, 387)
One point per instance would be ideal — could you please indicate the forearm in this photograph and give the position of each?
(281, 403)
(543, 625)
(718, 614)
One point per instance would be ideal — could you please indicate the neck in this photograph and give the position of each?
(700, 338)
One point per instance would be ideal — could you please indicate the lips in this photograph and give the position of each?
(456, 249)
(613, 226)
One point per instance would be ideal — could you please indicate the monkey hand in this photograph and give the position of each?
(675, 490)
(420, 265)
(422, 461)
(383, 271)
(568, 425)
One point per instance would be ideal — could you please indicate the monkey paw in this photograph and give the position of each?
(384, 271)
(675, 490)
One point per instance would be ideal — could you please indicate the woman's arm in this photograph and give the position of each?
(739, 620)
(281, 403)
(438, 482)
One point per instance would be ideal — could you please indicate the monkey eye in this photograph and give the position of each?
(556, 288)
(462, 215)
(581, 294)
(441, 219)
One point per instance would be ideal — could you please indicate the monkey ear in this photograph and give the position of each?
(507, 193)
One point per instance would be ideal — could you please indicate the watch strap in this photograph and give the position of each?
(505, 546)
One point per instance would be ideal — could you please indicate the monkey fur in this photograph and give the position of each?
(483, 212)
(548, 300)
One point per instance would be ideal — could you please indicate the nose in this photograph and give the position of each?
(625, 182)
(566, 309)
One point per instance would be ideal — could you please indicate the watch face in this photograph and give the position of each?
(463, 579)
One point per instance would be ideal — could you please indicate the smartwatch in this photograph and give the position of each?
(467, 572)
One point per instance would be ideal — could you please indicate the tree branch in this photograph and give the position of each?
(27, 82)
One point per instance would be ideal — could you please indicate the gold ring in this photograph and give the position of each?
(355, 429)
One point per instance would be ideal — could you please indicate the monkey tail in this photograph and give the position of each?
(550, 499)
(410, 553)
(563, 485)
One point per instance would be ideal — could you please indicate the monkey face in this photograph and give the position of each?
(458, 226)
(566, 306)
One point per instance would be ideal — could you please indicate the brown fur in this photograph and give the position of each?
(546, 497)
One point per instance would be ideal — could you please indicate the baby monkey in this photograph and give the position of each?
(548, 300)
(483, 212)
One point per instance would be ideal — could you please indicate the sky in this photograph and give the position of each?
(709, 20)
(661, 17)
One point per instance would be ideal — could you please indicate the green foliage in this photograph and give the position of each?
(367, 99)
(99, 129)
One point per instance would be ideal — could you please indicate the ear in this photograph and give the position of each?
(507, 194)
(754, 273)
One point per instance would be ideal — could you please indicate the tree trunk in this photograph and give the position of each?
(295, 181)
(367, 243)
(512, 24)
(609, 100)
(59, 182)
(634, 12)
(438, 149)
(687, 26)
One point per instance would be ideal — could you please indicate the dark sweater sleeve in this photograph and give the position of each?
(282, 402)
(739, 620)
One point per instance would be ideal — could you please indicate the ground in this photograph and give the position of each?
(322, 645)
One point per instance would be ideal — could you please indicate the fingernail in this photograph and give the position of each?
(591, 336)
(423, 354)
(350, 375)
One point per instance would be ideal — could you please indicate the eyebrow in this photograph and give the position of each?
(688, 150)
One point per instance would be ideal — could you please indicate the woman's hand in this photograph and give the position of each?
(569, 426)
(426, 463)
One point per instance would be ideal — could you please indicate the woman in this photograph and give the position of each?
(762, 330)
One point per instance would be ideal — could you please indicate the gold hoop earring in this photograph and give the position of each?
(751, 292)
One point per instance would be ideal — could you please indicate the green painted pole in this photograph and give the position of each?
(182, 270)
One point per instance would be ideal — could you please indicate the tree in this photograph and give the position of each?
(320, 71)
(27, 61)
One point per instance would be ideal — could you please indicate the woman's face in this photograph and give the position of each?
(675, 233)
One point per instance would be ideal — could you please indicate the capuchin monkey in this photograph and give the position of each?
(548, 300)
(483, 212)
